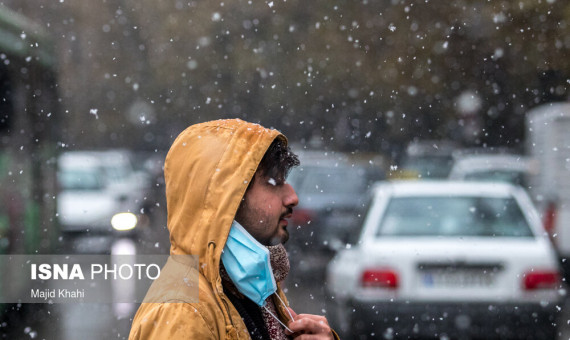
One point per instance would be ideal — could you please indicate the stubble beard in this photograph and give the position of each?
(256, 222)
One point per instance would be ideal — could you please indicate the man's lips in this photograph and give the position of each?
(283, 219)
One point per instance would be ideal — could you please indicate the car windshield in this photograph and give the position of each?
(453, 216)
(80, 179)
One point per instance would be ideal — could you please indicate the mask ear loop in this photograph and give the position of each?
(286, 308)
(276, 318)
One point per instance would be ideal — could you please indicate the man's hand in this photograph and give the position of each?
(308, 326)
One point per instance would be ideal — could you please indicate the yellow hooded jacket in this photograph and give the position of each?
(207, 172)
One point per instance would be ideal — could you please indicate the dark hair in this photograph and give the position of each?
(277, 161)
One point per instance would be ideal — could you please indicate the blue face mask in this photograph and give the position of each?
(248, 265)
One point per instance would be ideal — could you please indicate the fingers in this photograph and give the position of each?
(306, 326)
(310, 326)
(311, 337)
(312, 317)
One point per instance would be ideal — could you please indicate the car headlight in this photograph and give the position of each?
(124, 221)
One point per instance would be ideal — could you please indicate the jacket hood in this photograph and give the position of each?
(207, 171)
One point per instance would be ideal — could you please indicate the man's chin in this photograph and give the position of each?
(282, 238)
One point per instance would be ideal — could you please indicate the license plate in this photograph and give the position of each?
(456, 279)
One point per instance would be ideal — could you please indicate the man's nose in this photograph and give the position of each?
(290, 198)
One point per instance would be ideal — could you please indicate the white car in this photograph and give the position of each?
(448, 259)
(509, 168)
(89, 205)
(122, 178)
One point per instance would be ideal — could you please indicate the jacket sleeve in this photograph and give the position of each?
(172, 321)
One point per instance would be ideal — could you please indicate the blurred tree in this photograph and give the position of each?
(370, 75)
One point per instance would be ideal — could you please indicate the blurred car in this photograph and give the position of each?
(508, 168)
(122, 177)
(448, 259)
(548, 142)
(94, 205)
(426, 159)
(332, 198)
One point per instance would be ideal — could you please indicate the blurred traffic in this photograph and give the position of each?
(437, 244)
(101, 198)
(482, 252)
(108, 202)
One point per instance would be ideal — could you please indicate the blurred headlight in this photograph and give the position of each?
(124, 221)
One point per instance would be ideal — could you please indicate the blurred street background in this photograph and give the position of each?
(92, 94)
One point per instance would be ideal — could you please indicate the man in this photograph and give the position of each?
(228, 203)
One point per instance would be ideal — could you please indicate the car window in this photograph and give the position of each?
(80, 179)
(320, 180)
(429, 166)
(514, 177)
(453, 216)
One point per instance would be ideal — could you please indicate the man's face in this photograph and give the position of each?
(264, 210)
